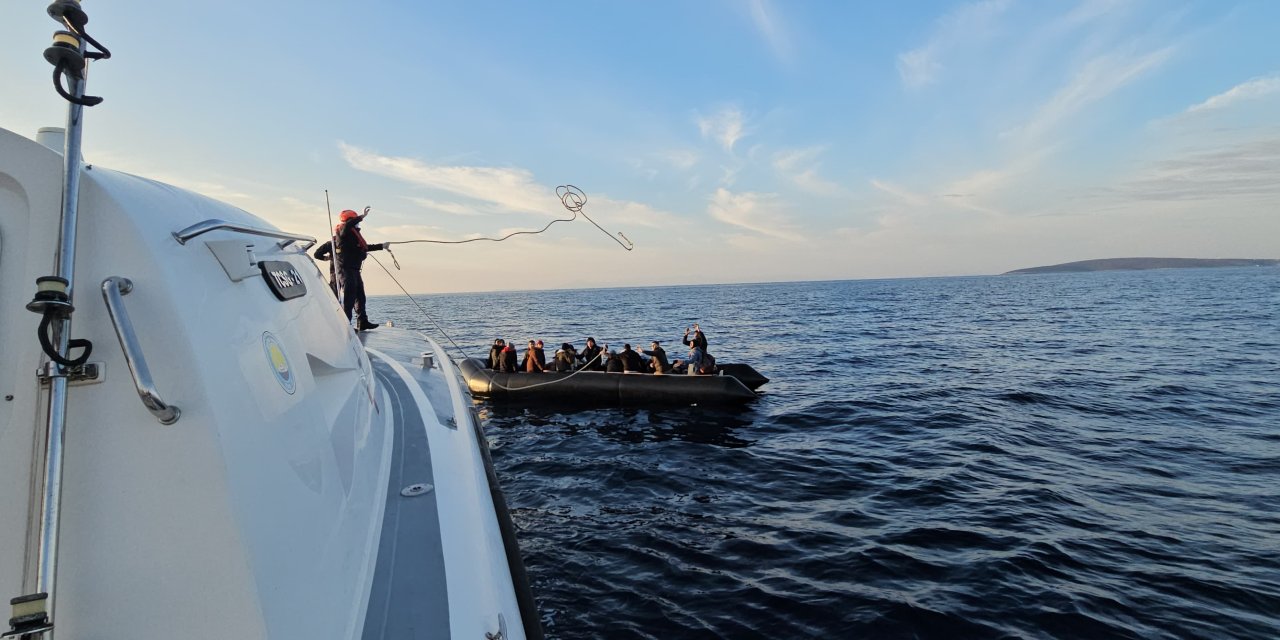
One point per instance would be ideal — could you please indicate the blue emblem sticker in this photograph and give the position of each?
(279, 362)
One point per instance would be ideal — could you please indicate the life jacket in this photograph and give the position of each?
(352, 247)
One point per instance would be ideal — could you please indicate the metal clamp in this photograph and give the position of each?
(113, 292)
(213, 224)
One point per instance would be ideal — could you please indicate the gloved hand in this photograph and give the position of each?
(377, 246)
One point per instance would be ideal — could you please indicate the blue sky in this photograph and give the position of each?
(731, 141)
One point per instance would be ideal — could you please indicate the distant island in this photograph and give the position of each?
(1136, 264)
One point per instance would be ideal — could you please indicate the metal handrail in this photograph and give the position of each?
(214, 224)
(113, 292)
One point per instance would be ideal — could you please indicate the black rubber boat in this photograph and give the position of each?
(734, 383)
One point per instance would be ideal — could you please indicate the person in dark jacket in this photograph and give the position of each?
(352, 251)
(631, 361)
(657, 358)
(495, 353)
(592, 356)
(698, 338)
(540, 353)
(613, 363)
(507, 361)
(532, 363)
(566, 356)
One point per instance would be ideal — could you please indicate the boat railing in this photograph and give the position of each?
(214, 224)
(113, 291)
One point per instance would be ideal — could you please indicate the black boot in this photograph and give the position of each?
(365, 325)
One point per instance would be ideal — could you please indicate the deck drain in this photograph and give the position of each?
(415, 490)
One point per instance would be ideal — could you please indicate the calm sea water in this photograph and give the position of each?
(1054, 456)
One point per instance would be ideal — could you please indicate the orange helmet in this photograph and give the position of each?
(347, 214)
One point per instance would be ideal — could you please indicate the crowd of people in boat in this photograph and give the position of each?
(504, 357)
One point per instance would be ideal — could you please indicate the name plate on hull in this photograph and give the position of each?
(283, 279)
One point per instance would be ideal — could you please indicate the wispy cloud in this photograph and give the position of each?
(501, 191)
(608, 211)
(1089, 10)
(682, 159)
(403, 232)
(901, 193)
(920, 67)
(770, 26)
(985, 183)
(726, 127)
(1244, 171)
(510, 190)
(1097, 79)
(792, 159)
(1251, 90)
(762, 213)
(801, 167)
(451, 208)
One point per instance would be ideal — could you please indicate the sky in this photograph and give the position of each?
(729, 140)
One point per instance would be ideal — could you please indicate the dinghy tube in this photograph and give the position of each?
(632, 389)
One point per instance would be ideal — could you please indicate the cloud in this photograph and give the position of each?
(920, 67)
(762, 213)
(801, 167)
(510, 190)
(769, 25)
(726, 127)
(1089, 10)
(1097, 79)
(608, 211)
(809, 181)
(1251, 90)
(901, 193)
(989, 182)
(402, 232)
(451, 208)
(1243, 171)
(682, 159)
(791, 159)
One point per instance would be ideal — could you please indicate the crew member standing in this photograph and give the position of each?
(352, 250)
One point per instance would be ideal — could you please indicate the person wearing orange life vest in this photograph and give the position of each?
(352, 250)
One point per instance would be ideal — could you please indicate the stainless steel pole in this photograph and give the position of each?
(55, 432)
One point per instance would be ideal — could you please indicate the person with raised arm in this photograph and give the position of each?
(351, 253)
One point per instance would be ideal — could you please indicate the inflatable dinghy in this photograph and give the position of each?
(734, 383)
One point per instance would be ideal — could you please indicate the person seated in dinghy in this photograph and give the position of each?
(694, 365)
(592, 356)
(534, 361)
(631, 361)
(698, 338)
(507, 359)
(613, 363)
(657, 359)
(495, 353)
(565, 357)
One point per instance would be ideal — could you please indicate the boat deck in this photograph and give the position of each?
(415, 570)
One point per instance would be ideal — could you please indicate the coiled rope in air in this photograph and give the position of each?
(574, 200)
(570, 196)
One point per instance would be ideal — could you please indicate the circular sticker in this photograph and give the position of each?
(279, 361)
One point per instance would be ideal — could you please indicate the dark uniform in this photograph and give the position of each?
(352, 251)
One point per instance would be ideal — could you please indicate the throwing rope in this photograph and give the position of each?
(570, 196)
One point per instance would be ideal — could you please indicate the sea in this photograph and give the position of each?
(1089, 455)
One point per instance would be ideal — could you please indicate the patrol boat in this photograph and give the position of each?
(194, 443)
